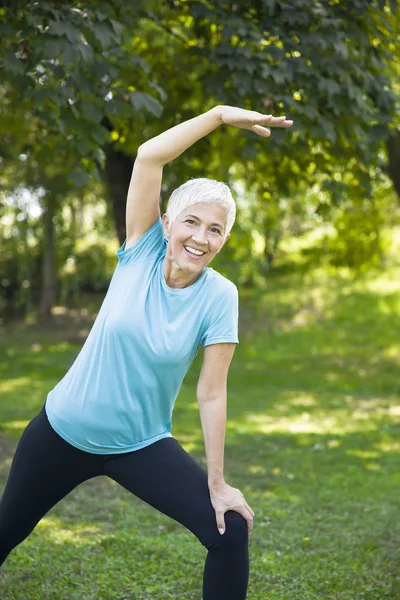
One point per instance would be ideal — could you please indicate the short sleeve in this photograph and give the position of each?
(150, 243)
(222, 326)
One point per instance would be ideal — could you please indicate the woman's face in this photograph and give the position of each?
(196, 236)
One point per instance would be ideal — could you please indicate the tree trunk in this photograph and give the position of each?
(48, 284)
(118, 171)
(117, 174)
(393, 169)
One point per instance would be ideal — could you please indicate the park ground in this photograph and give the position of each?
(312, 441)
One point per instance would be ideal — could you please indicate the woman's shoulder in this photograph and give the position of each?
(219, 282)
(150, 244)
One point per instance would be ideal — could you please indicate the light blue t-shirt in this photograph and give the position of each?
(119, 394)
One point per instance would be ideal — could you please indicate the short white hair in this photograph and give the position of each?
(199, 190)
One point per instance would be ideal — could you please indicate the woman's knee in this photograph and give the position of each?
(236, 532)
(236, 529)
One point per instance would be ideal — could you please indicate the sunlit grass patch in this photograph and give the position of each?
(75, 534)
(14, 384)
(14, 426)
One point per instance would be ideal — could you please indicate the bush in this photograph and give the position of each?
(89, 270)
(357, 242)
(19, 276)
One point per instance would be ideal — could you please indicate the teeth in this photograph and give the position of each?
(194, 251)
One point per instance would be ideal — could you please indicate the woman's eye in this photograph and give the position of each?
(190, 221)
(215, 230)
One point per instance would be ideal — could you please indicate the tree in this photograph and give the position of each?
(63, 69)
(327, 64)
(393, 142)
(91, 79)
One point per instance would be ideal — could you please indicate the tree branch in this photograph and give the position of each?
(157, 21)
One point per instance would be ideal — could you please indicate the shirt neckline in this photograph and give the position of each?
(184, 290)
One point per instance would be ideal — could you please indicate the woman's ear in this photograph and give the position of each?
(166, 225)
(223, 243)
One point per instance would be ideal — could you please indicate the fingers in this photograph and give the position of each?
(263, 131)
(251, 511)
(246, 512)
(220, 521)
(271, 121)
(249, 518)
(274, 121)
(286, 123)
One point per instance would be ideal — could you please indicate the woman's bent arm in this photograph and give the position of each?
(142, 207)
(211, 395)
(213, 422)
(170, 144)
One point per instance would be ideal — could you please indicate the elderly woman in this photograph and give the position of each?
(111, 413)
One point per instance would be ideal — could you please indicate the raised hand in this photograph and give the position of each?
(252, 120)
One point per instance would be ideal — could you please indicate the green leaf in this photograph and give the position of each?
(330, 86)
(82, 146)
(6, 32)
(138, 61)
(91, 112)
(341, 50)
(86, 52)
(24, 82)
(118, 28)
(60, 48)
(69, 52)
(310, 111)
(104, 34)
(278, 76)
(57, 70)
(200, 11)
(142, 101)
(163, 95)
(79, 178)
(101, 15)
(61, 126)
(74, 111)
(52, 48)
(13, 64)
(100, 135)
(60, 28)
(45, 7)
(378, 132)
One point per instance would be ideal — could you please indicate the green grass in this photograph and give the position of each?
(312, 441)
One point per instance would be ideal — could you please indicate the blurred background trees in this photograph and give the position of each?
(84, 84)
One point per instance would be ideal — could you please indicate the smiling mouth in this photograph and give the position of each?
(194, 252)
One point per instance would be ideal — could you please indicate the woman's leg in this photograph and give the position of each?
(165, 476)
(45, 468)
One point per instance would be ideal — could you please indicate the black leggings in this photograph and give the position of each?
(46, 468)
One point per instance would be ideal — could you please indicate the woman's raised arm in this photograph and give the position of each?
(142, 208)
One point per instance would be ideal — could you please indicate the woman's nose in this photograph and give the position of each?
(200, 237)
